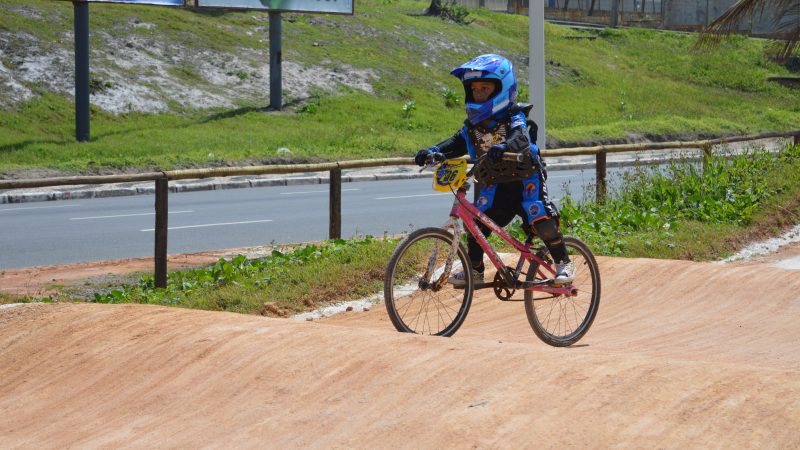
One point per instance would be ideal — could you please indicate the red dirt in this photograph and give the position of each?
(681, 354)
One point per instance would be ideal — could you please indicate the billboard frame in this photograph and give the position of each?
(197, 4)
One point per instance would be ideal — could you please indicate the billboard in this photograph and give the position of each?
(138, 2)
(311, 6)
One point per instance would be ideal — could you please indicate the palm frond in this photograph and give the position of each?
(786, 20)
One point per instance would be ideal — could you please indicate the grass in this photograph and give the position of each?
(622, 83)
(279, 284)
(691, 212)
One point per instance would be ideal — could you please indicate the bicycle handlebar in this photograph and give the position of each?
(507, 156)
(433, 159)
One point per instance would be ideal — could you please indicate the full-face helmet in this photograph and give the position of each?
(493, 68)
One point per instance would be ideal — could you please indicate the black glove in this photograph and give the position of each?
(496, 151)
(437, 157)
(422, 155)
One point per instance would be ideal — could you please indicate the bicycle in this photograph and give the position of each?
(419, 298)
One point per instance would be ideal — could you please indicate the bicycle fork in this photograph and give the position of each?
(454, 226)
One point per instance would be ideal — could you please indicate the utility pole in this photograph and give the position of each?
(536, 66)
(614, 13)
(81, 36)
(275, 88)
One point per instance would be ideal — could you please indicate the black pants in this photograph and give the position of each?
(508, 204)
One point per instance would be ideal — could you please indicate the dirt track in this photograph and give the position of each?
(681, 354)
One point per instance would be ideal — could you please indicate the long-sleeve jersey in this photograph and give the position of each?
(476, 140)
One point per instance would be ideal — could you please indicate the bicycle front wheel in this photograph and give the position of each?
(562, 320)
(414, 302)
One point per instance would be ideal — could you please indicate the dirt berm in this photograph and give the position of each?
(682, 354)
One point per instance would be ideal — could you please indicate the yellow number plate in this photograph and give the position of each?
(450, 175)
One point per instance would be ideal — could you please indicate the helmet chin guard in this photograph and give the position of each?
(489, 67)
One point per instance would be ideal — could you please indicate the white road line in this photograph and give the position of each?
(211, 225)
(410, 196)
(38, 207)
(125, 215)
(316, 192)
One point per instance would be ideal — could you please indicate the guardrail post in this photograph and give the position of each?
(797, 139)
(162, 210)
(335, 205)
(600, 177)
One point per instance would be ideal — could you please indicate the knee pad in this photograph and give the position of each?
(548, 231)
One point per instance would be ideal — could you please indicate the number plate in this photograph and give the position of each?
(450, 175)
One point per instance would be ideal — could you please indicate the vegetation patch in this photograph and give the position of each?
(692, 211)
(277, 285)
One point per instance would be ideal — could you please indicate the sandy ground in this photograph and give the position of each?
(682, 354)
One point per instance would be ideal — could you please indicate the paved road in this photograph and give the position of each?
(41, 233)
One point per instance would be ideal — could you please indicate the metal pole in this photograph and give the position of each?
(614, 13)
(335, 205)
(162, 210)
(81, 36)
(275, 60)
(536, 67)
(600, 177)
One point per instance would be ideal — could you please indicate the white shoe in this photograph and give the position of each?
(565, 272)
(457, 279)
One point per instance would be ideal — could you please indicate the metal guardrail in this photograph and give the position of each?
(162, 179)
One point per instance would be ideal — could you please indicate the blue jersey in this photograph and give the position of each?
(509, 129)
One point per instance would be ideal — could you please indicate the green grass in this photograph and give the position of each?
(623, 82)
(288, 282)
(691, 212)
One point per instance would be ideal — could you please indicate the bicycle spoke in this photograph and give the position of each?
(412, 303)
(563, 319)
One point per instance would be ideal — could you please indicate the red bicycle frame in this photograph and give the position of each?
(465, 211)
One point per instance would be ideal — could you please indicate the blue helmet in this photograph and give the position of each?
(496, 69)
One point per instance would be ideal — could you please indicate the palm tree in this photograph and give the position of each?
(787, 20)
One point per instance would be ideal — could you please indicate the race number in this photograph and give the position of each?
(450, 175)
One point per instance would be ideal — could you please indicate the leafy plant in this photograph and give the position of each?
(408, 108)
(727, 191)
(290, 277)
(451, 99)
(449, 10)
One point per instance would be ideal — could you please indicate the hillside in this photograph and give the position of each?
(179, 86)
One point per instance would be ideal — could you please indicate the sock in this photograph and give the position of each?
(479, 268)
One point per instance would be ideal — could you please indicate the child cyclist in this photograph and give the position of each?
(494, 125)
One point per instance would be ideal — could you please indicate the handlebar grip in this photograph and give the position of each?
(508, 156)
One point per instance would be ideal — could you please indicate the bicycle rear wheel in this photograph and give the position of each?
(413, 305)
(562, 320)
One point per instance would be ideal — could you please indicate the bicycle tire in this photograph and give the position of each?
(413, 309)
(569, 317)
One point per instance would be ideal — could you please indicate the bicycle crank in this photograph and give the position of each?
(501, 289)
